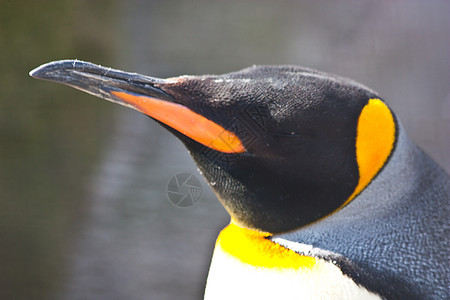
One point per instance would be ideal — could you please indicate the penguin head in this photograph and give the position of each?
(281, 146)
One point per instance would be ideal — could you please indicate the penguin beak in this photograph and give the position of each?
(144, 94)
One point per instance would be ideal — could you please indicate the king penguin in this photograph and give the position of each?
(328, 197)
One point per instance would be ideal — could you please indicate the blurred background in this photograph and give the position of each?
(83, 206)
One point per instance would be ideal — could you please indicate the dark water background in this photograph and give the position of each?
(83, 206)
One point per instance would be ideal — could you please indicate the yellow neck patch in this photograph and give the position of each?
(252, 247)
(375, 139)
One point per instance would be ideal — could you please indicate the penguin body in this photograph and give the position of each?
(328, 198)
(268, 270)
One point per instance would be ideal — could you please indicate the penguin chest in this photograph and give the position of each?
(246, 265)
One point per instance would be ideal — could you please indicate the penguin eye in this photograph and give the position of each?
(286, 135)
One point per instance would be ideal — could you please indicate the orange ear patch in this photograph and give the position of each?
(375, 139)
(184, 120)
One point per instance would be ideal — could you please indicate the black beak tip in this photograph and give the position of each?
(38, 72)
(48, 70)
(44, 71)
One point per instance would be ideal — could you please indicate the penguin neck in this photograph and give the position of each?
(271, 204)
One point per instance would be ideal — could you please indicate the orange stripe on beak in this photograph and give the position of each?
(185, 121)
